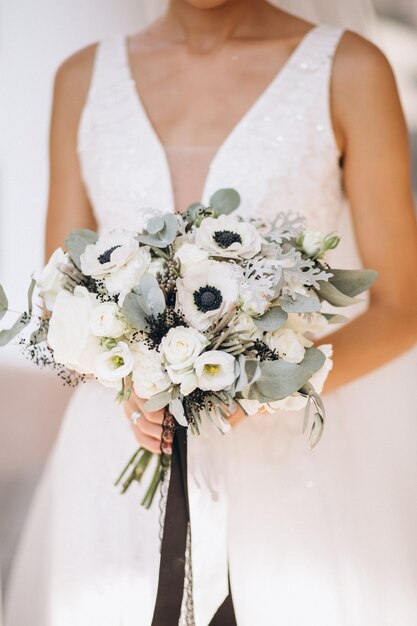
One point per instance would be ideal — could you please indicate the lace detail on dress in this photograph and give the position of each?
(286, 137)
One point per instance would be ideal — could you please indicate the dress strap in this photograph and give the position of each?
(110, 66)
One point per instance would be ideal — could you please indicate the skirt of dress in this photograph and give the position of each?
(312, 538)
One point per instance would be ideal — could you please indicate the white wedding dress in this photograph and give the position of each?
(312, 538)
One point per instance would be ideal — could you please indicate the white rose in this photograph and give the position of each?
(121, 281)
(179, 349)
(106, 320)
(149, 375)
(287, 343)
(51, 280)
(188, 254)
(69, 333)
(206, 291)
(215, 370)
(112, 366)
(312, 242)
(229, 237)
(110, 252)
(295, 402)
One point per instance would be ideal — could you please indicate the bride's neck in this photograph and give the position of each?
(205, 29)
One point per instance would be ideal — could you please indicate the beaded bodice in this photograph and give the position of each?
(281, 155)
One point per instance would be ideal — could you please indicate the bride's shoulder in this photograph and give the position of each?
(72, 79)
(359, 63)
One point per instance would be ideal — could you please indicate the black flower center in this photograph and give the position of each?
(207, 298)
(106, 256)
(225, 238)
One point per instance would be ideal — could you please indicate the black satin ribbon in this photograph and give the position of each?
(172, 566)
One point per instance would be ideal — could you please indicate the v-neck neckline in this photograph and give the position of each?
(272, 85)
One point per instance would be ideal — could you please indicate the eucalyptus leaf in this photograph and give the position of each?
(30, 295)
(155, 224)
(158, 401)
(313, 360)
(353, 282)
(10, 333)
(278, 380)
(192, 211)
(249, 373)
(133, 311)
(316, 430)
(4, 304)
(177, 410)
(225, 200)
(333, 296)
(77, 241)
(274, 318)
(301, 303)
(153, 294)
(334, 318)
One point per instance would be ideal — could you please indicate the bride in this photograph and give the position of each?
(300, 117)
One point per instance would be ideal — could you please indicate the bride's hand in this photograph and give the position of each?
(148, 426)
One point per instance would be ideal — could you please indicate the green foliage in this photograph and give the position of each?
(353, 282)
(301, 303)
(161, 231)
(225, 201)
(77, 241)
(273, 319)
(4, 304)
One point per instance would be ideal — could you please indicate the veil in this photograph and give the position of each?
(357, 15)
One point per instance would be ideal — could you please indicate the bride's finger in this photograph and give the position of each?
(147, 442)
(149, 428)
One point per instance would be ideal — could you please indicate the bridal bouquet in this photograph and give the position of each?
(199, 313)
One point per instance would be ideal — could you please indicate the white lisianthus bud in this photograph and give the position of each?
(112, 366)
(106, 321)
(312, 243)
(188, 254)
(287, 343)
(215, 370)
(51, 280)
(179, 349)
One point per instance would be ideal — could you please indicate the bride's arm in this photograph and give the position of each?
(68, 204)
(370, 126)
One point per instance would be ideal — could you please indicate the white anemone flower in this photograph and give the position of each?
(227, 236)
(111, 252)
(215, 370)
(207, 290)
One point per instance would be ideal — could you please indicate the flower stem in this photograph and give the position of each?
(150, 494)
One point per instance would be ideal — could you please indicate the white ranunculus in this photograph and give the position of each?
(111, 252)
(312, 242)
(295, 402)
(121, 281)
(69, 333)
(188, 254)
(206, 291)
(51, 280)
(106, 320)
(113, 365)
(301, 323)
(179, 349)
(247, 327)
(229, 237)
(287, 343)
(149, 375)
(215, 370)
